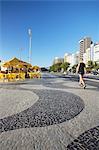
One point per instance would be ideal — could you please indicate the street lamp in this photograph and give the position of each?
(30, 45)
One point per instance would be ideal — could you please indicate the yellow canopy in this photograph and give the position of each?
(15, 62)
(35, 67)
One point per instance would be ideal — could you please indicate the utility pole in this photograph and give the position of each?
(30, 45)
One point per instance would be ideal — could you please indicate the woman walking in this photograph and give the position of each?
(81, 71)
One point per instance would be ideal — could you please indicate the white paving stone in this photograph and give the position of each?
(33, 87)
(15, 101)
(75, 85)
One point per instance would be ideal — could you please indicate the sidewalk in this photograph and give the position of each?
(56, 134)
(95, 80)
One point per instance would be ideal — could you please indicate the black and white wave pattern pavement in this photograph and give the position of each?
(53, 107)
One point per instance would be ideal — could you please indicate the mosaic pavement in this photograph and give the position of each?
(51, 113)
(53, 107)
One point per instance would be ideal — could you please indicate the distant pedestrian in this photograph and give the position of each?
(81, 70)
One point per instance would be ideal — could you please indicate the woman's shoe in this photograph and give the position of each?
(84, 86)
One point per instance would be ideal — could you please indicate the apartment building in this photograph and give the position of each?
(75, 58)
(72, 58)
(58, 60)
(92, 53)
(84, 44)
(96, 52)
(85, 58)
(68, 58)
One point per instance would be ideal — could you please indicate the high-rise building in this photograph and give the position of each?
(88, 54)
(84, 44)
(68, 58)
(72, 58)
(96, 52)
(92, 53)
(85, 58)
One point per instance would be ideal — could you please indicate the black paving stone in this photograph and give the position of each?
(89, 140)
(53, 107)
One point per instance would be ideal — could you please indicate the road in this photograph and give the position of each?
(51, 113)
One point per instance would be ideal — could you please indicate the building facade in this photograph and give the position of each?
(91, 54)
(84, 44)
(88, 54)
(85, 58)
(96, 52)
(58, 60)
(75, 59)
(72, 58)
(68, 58)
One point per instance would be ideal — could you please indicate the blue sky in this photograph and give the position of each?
(57, 26)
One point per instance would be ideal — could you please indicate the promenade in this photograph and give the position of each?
(48, 114)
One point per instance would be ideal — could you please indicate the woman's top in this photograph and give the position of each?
(81, 68)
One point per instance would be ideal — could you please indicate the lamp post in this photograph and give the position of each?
(30, 45)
